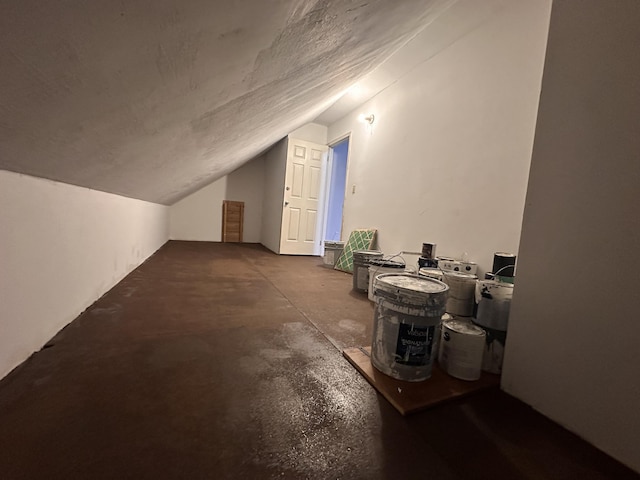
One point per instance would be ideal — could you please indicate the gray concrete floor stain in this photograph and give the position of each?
(224, 362)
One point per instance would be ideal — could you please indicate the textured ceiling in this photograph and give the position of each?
(154, 99)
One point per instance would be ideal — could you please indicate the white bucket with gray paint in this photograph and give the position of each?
(408, 311)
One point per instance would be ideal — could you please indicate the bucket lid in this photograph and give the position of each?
(427, 295)
(466, 328)
(410, 284)
(460, 275)
(331, 243)
(367, 253)
(379, 262)
(494, 284)
(493, 290)
(429, 271)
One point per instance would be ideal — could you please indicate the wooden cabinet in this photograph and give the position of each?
(232, 221)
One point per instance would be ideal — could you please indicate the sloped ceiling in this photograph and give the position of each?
(155, 99)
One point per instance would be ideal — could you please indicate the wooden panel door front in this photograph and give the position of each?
(232, 221)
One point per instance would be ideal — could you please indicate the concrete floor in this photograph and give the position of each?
(223, 361)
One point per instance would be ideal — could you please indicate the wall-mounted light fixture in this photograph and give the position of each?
(366, 118)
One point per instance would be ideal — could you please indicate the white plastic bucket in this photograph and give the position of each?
(408, 310)
(461, 294)
(332, 251)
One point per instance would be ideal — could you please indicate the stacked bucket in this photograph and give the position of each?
(477, 336)
(444, 313)
(493, 299)
(461, 343)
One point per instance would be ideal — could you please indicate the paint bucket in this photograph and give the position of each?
(427, 262)
(461, 294)
(493, 301)
(438, 334)
(361, 259)
(431, 273)
(469, 267)
(458, 266)
(378, 266)
(408, 310)
(428, 250)
(504, 264)
(461, 349)
(447, 263)
(332, 251)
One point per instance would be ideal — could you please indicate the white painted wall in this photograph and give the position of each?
(311, 132)
(573, 348)
(61, 248)
(258, 183)
(199, 216)
(246, 184)
(447, 158)
(275, 165)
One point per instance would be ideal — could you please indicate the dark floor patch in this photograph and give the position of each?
(223, 361)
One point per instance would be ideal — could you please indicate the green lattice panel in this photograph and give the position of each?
(358, 240)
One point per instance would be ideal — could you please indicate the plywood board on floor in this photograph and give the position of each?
(412, 397)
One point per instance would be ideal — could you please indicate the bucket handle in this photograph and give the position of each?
(505, 267)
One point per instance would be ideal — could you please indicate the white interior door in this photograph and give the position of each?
(301, 197)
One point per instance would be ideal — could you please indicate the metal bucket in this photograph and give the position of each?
(361, 259)
(494, 303)
(378, 266)
(504, 266)
(461, 349)
(332, 251)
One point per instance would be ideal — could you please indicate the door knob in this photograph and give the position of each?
(288, 189)
(286, 203)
